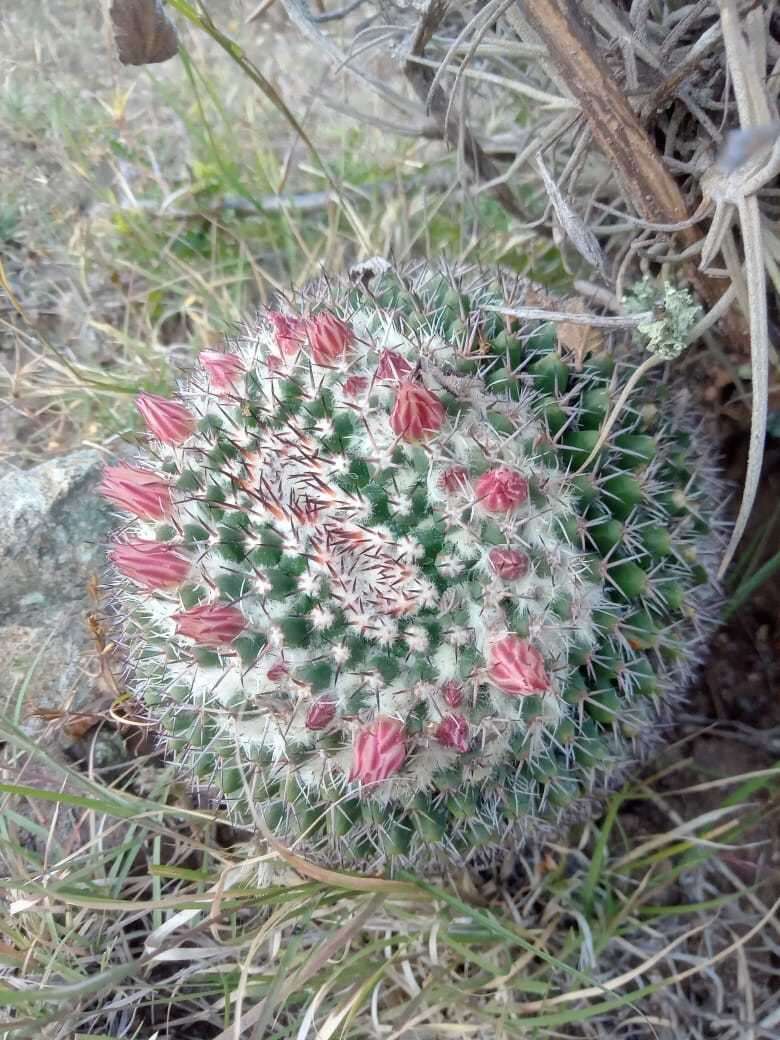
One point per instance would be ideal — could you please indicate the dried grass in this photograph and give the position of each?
(149, 924)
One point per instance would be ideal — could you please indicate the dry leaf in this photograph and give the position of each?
(79, 725)
(75, 723)
(143, 32)
(572, 225)
(581, 340)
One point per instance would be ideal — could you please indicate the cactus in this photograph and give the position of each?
(367, 596)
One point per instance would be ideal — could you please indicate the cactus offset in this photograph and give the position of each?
(386, 615)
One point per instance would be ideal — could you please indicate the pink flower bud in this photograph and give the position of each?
(224, 370)
(139, 491)
(290, 332)
(501, 490)
(330, 338)
(417, 413)
(354, 386)
(452, 692)
(508, 564)
(453, 731)
(393, 366)
(379, 750)
(210, 625)
(321, 712)
(150, 563)
(516, 667)
(278, 671)
(166, 420)
(454, 479)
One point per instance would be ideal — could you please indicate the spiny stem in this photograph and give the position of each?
(636, 376)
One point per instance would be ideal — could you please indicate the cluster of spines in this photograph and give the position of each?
(616, 638)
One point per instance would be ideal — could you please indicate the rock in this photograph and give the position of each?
(52, 530)
(52, 526)
(45, 662)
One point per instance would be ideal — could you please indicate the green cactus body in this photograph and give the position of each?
(440, 639)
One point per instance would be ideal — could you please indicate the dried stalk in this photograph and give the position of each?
(645, 182)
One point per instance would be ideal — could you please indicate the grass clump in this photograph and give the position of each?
(163, 919)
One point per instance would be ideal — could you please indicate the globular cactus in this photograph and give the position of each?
(367, 596)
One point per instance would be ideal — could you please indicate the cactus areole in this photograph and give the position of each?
(368, 597)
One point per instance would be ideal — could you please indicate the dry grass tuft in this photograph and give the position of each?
(159, 918)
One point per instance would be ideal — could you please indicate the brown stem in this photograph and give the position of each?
(643, 178)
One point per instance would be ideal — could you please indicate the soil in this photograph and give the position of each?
(739, 687)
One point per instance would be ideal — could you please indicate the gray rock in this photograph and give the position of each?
(48, 664)
(53, 527)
